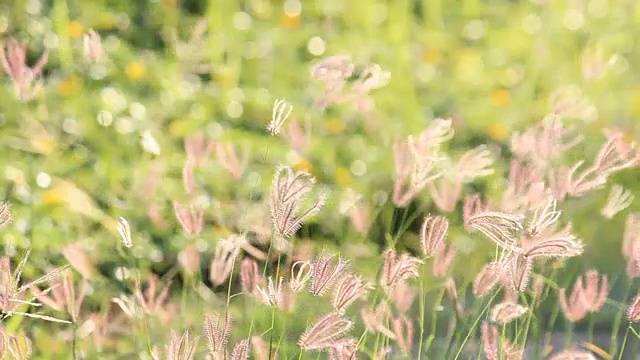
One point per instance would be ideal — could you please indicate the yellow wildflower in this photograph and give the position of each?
(497, 131)
(75, 29)
(335, 126)
(500, 97)
(68, 86)
(136, 70)
(431, 56)
(305, 165)
(343, 177)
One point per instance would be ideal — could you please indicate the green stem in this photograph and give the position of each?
(590, 329)
(422, 299)
(624, 343)
(434, 319)
(74, 342)
(273, 321)
(618, 320)
(134, 264)
(569, 327)
(273, 311)
(503, 333)
(552, 322)
(527, 326)
(475, 324)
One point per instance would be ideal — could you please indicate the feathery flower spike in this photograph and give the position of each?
(227, 250)
(324, 273)
(287, 192)
(125, 232)
(301, 272)
(432, 233)
(506, 312)
(5, 214)
(633, 311)
(272, 295)
(350, 289)
(575, 308)
(280, 113)
(619, 199)
(92, 46)
(325, 332)
(191, 218)
(182, 347)
(14, 61)
(398, 268)
(485, 280)
(241, 350)
(216, 335)
(402, 296)
(498, 226)
(250, 278)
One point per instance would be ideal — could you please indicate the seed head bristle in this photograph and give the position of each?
(325, 273)
(241, 350)
(325, 332)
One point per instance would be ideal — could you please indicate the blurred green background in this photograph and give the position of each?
(179, 67)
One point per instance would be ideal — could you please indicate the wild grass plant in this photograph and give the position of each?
(319, 179)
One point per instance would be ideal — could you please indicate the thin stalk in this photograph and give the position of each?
(282, 334)
(475, 323)
(273, 321)
(624, 342)
(422, 305)
(503, 333)
(74, 342)
(569, 328)
(590, 329)
(527, 326)
(406, 222)
(273, 312)
(618, 320)
(552, 321)
(133, 262)
(376, 346)
(434, 319)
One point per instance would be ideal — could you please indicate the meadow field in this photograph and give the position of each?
(311, 179)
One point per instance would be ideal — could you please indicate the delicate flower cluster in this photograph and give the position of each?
(569, 102)
(288, 190)
(280, 113)
(595, 64)
(618, 200)
(92, 46)
(446, 190)
(336, 71)
(432, 233)
(23, 77)
(520, 246)
(12, 294)
(397, 269)
(496, 348)
(217, 335)
(631, 244)
(506, 312)
(418, 161)
(587, 296)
